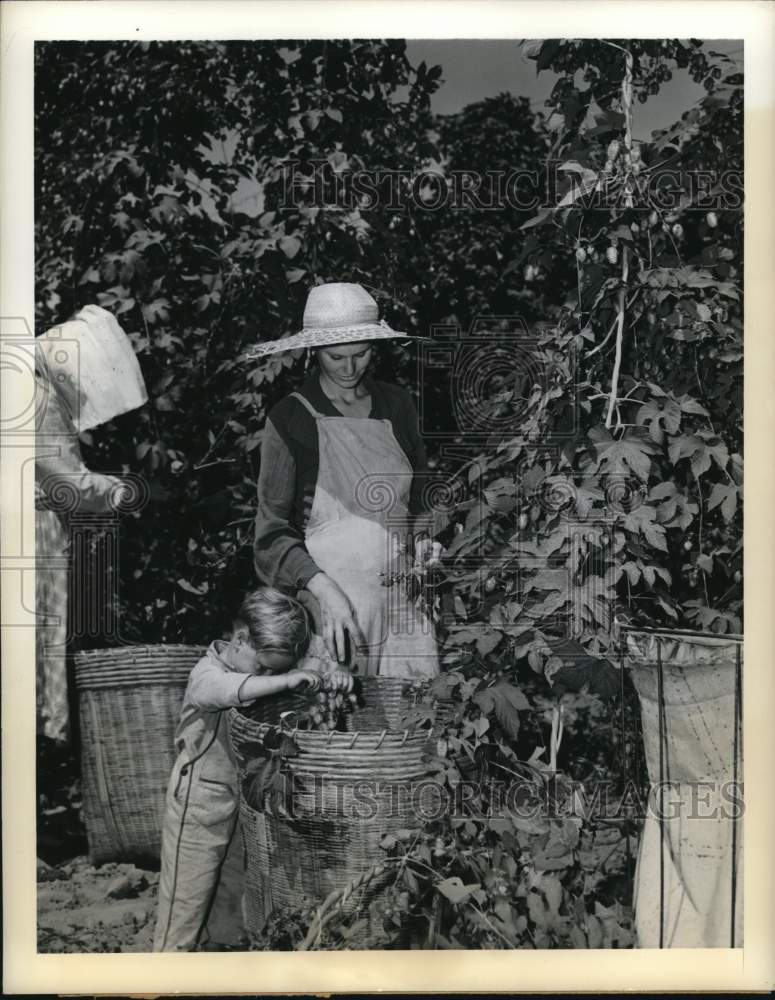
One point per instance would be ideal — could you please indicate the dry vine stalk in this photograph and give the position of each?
(627, 109)
(336, 900)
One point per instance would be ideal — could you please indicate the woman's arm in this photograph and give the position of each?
(58, 461)
(280, 556)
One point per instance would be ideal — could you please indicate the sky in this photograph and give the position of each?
(479, 68)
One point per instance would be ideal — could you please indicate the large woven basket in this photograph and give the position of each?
(349, 790)
(130, 700)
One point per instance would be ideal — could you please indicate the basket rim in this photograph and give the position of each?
(109, 651)
(337, 739)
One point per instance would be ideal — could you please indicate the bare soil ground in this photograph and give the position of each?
(85, 909)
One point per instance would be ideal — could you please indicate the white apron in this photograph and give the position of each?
(358, 529)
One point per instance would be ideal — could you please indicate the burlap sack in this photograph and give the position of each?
(695, 807)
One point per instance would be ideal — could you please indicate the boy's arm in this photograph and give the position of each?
(255, 686)
(211, 688)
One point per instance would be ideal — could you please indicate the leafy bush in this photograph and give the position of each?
(606, 476)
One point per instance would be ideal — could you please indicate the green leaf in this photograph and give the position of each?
(552, 666)
(724, 495)
(660, 416)
(668, 608)
(92, 274)
(663, 490)
(542, 215)
(578, 190)
(156, 310)
(481, 725)
(632, 572)
(125, 305)
(290, 246)
(455, 891)
(577, 936)
(546, 54)
(506, 701)
(552, 888)
(486, 643)
(700, 449)
(594, 931)
(549, 605)
(544, 862)
(643, 521)
(705, 562)
(623, 456)
(537, 909)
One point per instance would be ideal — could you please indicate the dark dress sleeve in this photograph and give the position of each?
(280, 556)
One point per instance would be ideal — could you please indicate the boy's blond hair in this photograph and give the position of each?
(274, 621)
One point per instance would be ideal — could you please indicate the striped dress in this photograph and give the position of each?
(62, 484)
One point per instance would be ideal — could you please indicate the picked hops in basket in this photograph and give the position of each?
(329, 710)
(266, 785)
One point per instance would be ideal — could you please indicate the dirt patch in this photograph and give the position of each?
(107, 909)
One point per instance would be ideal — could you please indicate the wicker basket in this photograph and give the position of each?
(349, 790)
(130, 700)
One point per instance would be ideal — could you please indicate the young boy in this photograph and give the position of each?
(270, 635)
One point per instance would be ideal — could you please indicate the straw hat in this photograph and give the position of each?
(336, 313)
(91, 362)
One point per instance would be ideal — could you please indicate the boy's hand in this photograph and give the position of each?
(303, 676)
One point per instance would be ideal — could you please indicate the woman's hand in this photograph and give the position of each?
(295, 678)
(337, 616)
(427, 554)
(340, 680)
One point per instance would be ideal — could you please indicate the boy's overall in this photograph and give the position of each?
(201, 844)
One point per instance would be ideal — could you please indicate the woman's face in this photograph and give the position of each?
(345, 364)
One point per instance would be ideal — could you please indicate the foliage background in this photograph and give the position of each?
(579, 505)
(136, 210)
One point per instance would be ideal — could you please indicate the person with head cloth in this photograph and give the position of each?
(86, 374)
(339, 508)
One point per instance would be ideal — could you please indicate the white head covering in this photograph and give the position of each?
(91, 362)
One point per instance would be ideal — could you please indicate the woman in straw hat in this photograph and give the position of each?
(86, 374)
(338, 490)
